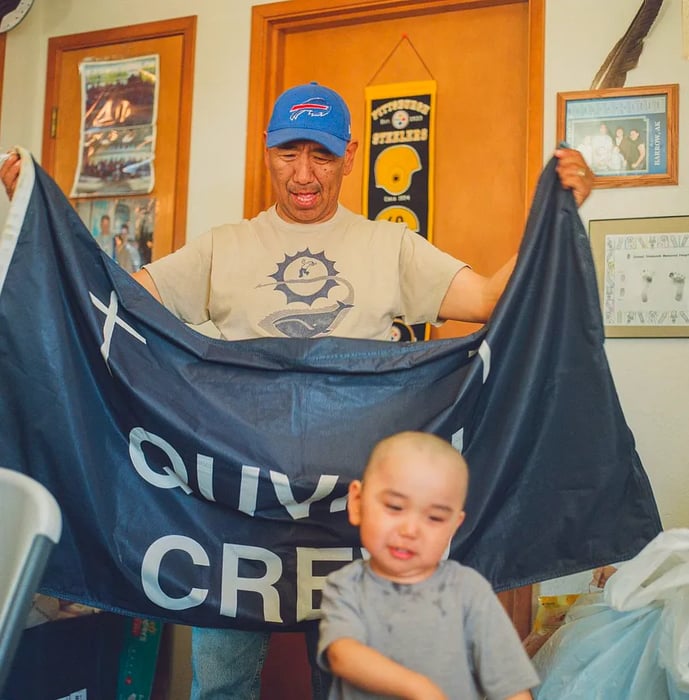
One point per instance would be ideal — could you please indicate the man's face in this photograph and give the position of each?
(633, 134)
(306, 179)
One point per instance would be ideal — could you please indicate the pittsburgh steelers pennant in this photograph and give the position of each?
(398, 166)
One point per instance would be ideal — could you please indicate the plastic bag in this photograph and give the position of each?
(637, 652)
(660, 573)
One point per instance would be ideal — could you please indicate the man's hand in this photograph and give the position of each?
(601, 575)
(9, 173)
(574, 174)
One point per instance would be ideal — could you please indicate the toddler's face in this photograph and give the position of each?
(407, 511)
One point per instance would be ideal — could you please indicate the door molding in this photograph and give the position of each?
(3, 44)
(270, 23)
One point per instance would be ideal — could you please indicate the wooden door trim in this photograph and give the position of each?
(181, 26)
(3, 44)
(535, 98)
(270, 23)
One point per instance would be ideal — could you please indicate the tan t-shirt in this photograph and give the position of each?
(347, 277)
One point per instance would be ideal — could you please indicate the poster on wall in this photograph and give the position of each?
(123, 227)
(398, 164)
(118, 127)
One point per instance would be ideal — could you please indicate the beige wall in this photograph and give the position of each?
(652, 375)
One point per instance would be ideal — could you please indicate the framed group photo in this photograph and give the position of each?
(642, 269)
(628, 136)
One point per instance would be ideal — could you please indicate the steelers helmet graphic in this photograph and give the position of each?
(400, 215)
(394, 168)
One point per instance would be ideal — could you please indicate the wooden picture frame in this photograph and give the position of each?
(628, 136)
(642, 269)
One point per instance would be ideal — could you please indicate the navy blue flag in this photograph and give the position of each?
(204, 481)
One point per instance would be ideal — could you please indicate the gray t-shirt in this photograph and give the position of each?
(347, 277)
(450, 627)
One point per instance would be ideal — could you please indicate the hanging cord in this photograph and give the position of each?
(404, 37)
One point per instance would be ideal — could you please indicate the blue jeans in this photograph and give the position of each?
(226, 664)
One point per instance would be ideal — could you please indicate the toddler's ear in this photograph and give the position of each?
(354, 503)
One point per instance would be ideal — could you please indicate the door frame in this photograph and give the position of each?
(3, 44)
(270, 23)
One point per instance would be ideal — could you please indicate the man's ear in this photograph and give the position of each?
(354, 502)
(349, 154)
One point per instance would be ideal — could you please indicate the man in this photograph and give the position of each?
(637, 156)
(307, 267)
(602, 144)
(126, 253)
(105, 234)
(307, 160)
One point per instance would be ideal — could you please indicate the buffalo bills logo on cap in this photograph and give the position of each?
(314, 107)
(310, 112)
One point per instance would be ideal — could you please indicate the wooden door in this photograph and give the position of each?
(173, 41)
(487, 59)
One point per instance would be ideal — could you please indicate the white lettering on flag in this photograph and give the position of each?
(150, 568)
(283, 490)
(484, 354)
(308, 582)
(232, 582)
(176, 477)
(111, 318)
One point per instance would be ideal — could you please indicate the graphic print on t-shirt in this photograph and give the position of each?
(306, 280)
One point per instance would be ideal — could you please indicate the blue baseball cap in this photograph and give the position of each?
(310, 112)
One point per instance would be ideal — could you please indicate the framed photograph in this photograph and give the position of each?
(642, 268)
(628, 136)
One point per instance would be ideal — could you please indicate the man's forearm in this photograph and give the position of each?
(472, 297)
